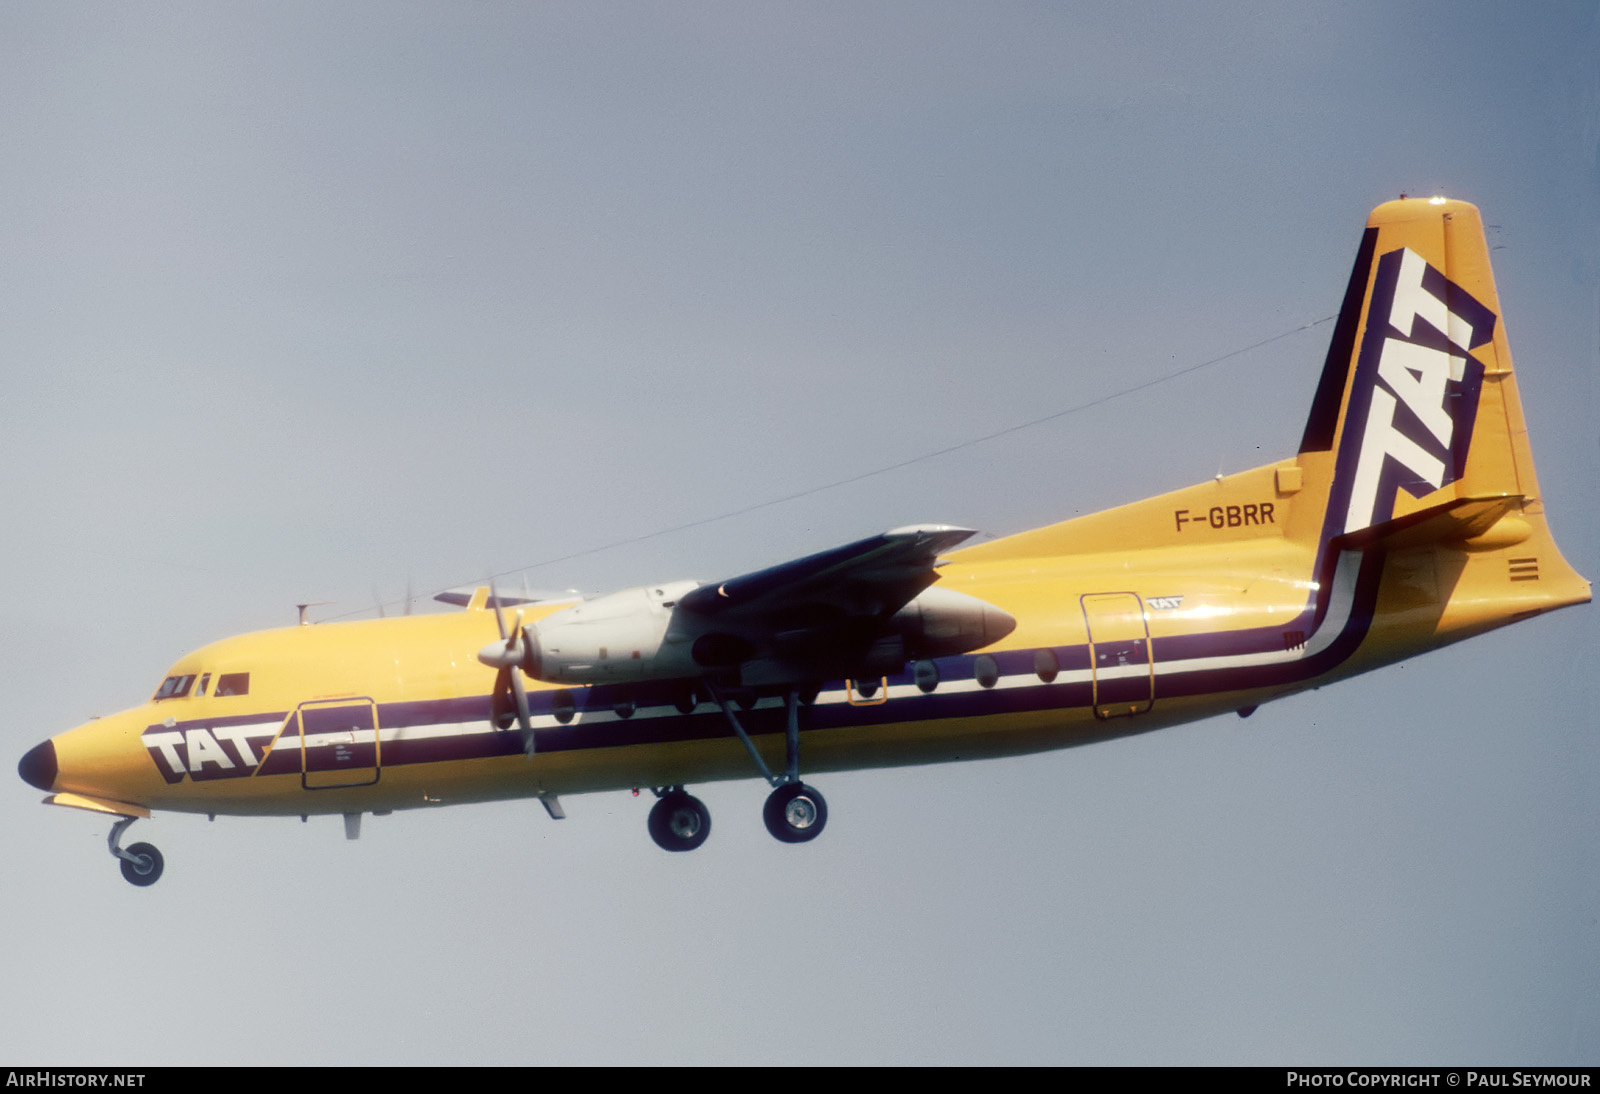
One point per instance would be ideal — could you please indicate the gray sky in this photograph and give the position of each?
(310, 301)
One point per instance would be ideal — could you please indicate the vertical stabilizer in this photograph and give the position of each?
(1417, 397)
(1416, 432)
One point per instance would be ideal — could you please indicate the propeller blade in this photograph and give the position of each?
(499, 617)
(505, 655)
(521, 694)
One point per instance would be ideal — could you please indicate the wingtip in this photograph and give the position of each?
(929, 529)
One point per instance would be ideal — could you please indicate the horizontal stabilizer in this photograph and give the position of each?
(1458, 519)
(463, 597)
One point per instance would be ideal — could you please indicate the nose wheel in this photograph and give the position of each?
(141, 863)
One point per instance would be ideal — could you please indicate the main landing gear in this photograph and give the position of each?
(794, 812)
(141, 863)
(679, 821)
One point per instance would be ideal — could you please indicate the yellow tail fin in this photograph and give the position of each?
(1415, 435)
(1417, 400)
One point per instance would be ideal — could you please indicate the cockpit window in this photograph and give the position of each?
(233, 683)
(205, 679)
(175, 687)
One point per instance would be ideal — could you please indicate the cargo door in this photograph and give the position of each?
(338, 743)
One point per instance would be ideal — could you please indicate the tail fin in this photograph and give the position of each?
(1416, 432)
(1417, 398)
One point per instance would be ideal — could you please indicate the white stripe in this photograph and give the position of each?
(1341, 604)
(1340, 608)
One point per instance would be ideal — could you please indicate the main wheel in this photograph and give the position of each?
(146, 865)
(679, 822)
(795, 813)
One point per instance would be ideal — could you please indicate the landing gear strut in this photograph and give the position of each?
(794, 812)
(679, 821)
(141, 863)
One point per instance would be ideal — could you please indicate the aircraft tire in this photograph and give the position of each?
(795, 813)
(679, 822)
(146, 871)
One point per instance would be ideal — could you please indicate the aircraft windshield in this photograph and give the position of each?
(175, 687)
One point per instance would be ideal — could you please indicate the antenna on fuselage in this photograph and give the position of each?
(310, 604)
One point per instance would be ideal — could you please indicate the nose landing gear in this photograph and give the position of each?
(141, 862)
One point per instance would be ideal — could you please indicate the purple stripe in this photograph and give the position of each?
(707, 723)
(1323, 421)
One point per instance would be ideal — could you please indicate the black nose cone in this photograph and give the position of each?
(38, 766)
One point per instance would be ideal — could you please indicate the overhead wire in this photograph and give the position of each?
(971, 442)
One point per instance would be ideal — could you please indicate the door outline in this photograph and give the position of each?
(334, 762)
(1123, 642)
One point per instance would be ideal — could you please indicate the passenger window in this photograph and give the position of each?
(175, 687)
(233, 683)
(986, 671)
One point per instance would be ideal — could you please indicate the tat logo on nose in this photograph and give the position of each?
(217, 751)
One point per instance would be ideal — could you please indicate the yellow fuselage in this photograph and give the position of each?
(1204, 618)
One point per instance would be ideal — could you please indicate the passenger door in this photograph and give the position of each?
(1119, 650)
(339, 743)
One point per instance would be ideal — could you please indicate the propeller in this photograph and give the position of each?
(506, 655)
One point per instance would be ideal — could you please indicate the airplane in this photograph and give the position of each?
(1410, 518)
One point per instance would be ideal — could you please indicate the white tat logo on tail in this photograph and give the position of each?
(1416, 387)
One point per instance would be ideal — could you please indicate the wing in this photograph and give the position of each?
(871, 578)
(856, 611)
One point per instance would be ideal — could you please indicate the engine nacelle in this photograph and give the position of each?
(636, 634)
(940, 622)
(620, 637)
